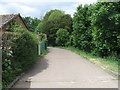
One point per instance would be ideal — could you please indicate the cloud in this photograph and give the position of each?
(38, 1)
(2, 10)
(87, 1)
(37, 8)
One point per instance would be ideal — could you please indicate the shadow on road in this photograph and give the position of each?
(38, 67)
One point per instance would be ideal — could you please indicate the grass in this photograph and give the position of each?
(110, 63)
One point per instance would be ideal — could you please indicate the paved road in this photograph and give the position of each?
(64, 69)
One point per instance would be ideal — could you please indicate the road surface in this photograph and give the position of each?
(64, 69)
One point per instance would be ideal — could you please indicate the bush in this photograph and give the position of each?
(24, 47)
(62, 37)
(20, 57)
(96, 28)
(53, 21)
(105, 21)
(10, 70)
(82, 36)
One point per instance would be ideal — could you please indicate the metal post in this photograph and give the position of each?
(39, 45)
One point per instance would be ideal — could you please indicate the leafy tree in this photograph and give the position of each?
(81, 28)
(62, 37)
(66, 22)
(108, 0)
(23, 42)
(22, 54)
(53, 21)
(105, 28)
(96, 28)
(31, 23)
(39, 28)
(55, 14)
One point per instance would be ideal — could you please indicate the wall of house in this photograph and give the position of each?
(18, 21)
(5, 37)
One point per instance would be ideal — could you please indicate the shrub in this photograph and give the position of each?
(10, 70)
(24, 46)
(82, 36)
(22, 54)
(53, 21)
(105, 21)
(62, 37)
(96, 28)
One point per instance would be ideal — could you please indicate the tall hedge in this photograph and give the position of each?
(106, 27)
(81, 28)
(24, 46)
(52, 22)
(21, 55)
(96, 28)
(62, 37)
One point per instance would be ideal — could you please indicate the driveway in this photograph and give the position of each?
(64, 69)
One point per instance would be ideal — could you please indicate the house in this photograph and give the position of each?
(5, 20)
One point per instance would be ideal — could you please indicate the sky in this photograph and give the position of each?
(38, 8)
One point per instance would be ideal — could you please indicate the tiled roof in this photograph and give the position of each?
(4, 19)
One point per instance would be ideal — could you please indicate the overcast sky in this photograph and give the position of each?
(38, 8)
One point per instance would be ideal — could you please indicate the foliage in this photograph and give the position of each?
(96, 28)
(62, 37)
(10, 70)
(12, 26)
(55, 14)
(23, 43)
(20, 57)
(31, 23)
(81, 28)
(105, 28)
(39, 28)
(66, 22)
(53, 21)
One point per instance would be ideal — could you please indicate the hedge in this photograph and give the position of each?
(21, 56)
(96, 28)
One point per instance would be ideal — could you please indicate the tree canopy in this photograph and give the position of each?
(52, 22)
(31, 23)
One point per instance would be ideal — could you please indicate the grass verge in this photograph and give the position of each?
(108, 62)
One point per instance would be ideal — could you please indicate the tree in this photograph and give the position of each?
(31, 23)
(81, 29)
(39, 28)
(55, 14)
(105, 28)
(62, 37)
(108, 0)
(53, 21)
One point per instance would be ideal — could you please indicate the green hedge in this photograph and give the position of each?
(62, 37)
(96, 28)
(23, 54)
(24, 48)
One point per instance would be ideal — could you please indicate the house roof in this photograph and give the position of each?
(5, 19)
